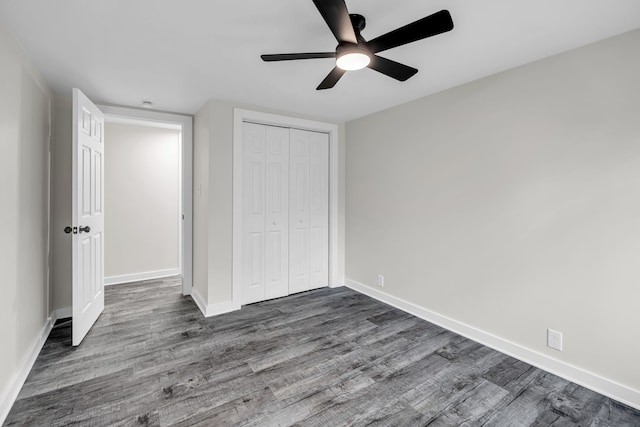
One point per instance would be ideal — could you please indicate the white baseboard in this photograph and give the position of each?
(597, 383)
(209, 310)
(136, 277)
(221, 308)
(336, 285)
(10, 394)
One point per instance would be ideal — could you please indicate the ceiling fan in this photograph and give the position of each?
(354, 52)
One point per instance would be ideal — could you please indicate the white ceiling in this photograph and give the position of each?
(179, 54)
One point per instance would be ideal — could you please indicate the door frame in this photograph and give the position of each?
(185, 122)
(241, 116)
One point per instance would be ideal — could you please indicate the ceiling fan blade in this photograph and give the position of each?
(331, 79)
(391, 68)
(336, 16)
(292, 56)
(438, 23)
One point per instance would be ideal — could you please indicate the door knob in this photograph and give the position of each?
(85, 229)
(67, 229)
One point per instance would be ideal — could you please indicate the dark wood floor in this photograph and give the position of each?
(322, 358)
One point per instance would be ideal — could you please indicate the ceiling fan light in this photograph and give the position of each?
(353, 60)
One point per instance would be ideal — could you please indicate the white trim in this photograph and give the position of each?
(580, 376)
(221, 308)
(240, 116)
(185, 123)
(212, 309)
(10, 394)
(136, 277)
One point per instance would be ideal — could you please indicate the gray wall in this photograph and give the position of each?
(201, 202)
(213, 138)
(220, 201)
(142, 200)
(61, 267)
(512, 204)
(25, 106)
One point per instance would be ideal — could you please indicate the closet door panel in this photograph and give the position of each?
(299, 211)
(253, 213)
(285, 205)
(318, 210)
(277, 212)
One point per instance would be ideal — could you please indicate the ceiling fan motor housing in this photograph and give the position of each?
(345, 48)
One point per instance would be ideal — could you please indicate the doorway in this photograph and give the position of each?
(142, 174)
(151, 207)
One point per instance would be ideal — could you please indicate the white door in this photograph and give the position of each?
(308, 211)
(277, 213)
(318, 210)
(87, 215)
(285, 211)
(265, 212)
(253, 218)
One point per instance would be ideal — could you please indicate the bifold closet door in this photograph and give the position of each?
(265, 213)
(308, 210)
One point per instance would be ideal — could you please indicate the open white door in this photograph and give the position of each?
(87, 215)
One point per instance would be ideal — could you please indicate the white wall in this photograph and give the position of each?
(142, 201)
(61, 268)
(512, 204)
(220, 201)
(201, 204)
(213, 138)
(24, 215)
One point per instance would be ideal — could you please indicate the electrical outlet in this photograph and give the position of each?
(381, 280)
(554, 339)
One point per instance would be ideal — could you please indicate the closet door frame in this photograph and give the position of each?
(241, 116)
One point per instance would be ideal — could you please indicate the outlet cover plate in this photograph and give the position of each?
(554, 339)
